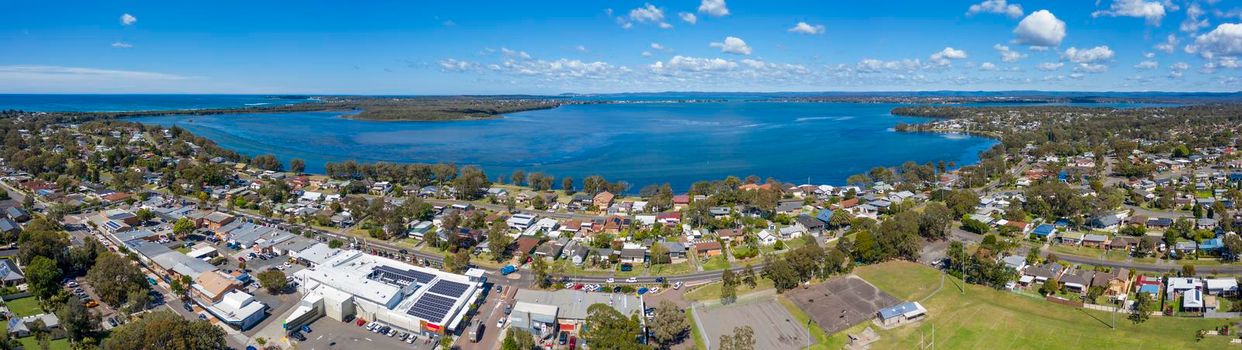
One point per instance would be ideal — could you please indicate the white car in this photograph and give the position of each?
(610, 280)
(676, 285)
(569, 285)
(632, 279)
(500, 323)
(654, 290)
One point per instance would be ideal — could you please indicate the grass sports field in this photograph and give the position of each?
(984, 318)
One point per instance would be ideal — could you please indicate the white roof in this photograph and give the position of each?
(1184, 283)
(1222, 284)
(317, 253)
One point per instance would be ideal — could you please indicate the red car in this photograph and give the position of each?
(573, 343)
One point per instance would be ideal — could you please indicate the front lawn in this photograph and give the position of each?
(719, 262)
(711, 291)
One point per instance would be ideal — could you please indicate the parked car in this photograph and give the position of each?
(508, 269)
(676, 285)
(298, 336)
(500, 323)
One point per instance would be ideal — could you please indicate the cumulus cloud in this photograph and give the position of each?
(1146, 65)
(945, 56)
(871, 65)
(122, 45)
(995, 6)
(1006, 54)
(1150, 10)
(128, 19)
(1224, 41)
(692, 64)
(657, 46)
(733, 45)
(648, 13)
(455, 65)
(688, 17)
(714, 8)
(1091, 68)
(1092, 55)
(1176, 70)
(1049, 66)
(1194, 19)
(1040, 29)
(560, 69)
(1169, 43)
(805, 28)
(987, 66)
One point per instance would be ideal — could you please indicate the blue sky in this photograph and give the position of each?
(489, 47)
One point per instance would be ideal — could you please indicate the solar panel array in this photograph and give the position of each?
(431, 307)
(388, 274)
(449, 288)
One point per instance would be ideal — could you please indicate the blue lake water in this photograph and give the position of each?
(126, 103)
(641, 143)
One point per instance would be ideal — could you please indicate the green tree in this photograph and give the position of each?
(498, 240)
(113, 277)
(164, 330)
(297, 165)
(517, 339)
(670, 325)
(607, 328)
(43, 277)
(728, 286)
(183, 227)
(44, 243)
(1142, 308)
(273, 280)
(1050, 286)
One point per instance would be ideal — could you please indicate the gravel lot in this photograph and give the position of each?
(841, 302)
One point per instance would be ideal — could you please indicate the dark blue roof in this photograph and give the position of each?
(1044, 230)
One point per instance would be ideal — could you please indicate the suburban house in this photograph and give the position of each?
(809, 224)
(1115, 283)
(1222, 286)
(603, 200)
(10, 275)
(707, 249)
(1079, 281)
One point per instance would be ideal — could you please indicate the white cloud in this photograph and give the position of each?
(1092, 55)
(1176, 70)
(996, 6)
(1194, 19)
(1006, 54)
(122, 45)
(1168, 44)
(805, 28)
(128, 19)
(580, 48)
(657, 46)
(1146, 65)
(692, 64)
(871, 65)
(987, 66)
(646, 53)
(561, 69)
(1050, 66)
(514, 53)
(646, 14)
(1224, 41)
(1091, 68)
(688, 17)
(944, 57)
(733, 45)
(68, 74)
(455, 65)
(1149, 54)
(1040, 28)
(1151, 10)
(715, 8)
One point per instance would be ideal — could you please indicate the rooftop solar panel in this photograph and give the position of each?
(389, 274)
(431, 307)
(448, 288)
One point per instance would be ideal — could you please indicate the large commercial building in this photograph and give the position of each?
(373, 288)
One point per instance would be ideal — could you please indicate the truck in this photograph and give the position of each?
(476, 332)
(508, 269)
